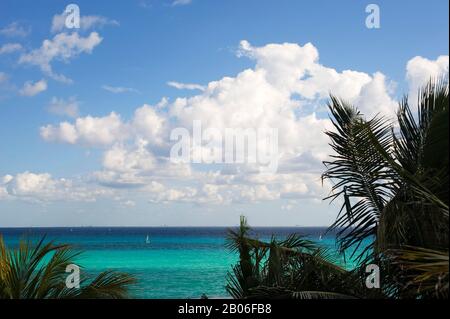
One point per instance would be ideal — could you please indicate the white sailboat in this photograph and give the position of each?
(147, 240)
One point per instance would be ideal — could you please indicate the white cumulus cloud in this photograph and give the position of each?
(64, 107)
(63, 47)
(10, 48)
(87, 22)
(420, 70)
(89, 130)
(43, 187)
(285, 90)
(14, 29)
(186, 86)
(33, 88)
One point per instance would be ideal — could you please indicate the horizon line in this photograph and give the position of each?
(160, 226)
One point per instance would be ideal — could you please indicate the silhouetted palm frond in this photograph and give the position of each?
(39, 272)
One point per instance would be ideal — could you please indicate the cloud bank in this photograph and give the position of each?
(286, 89)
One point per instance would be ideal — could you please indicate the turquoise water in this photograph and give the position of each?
(176, 263)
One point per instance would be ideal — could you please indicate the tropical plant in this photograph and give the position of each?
(39, 272)
(293, 267)
(393, 183)
(425, 271)
(392, 180)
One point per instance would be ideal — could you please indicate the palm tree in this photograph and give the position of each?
(39, 272)
(393, 183)
(290, 268)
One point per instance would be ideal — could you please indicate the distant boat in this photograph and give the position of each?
(320, 237)
(147, 240)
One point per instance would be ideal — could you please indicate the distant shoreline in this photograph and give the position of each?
(141, 227)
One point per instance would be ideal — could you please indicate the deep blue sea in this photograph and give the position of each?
(175, 262)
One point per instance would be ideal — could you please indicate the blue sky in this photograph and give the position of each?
(146, 44)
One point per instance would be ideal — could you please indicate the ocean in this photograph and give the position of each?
(175, 262)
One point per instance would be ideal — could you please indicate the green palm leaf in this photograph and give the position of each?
(39, 272)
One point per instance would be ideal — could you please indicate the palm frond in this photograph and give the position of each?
(108, 285)
(360, 175)
(425, 271)
(39, 272)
